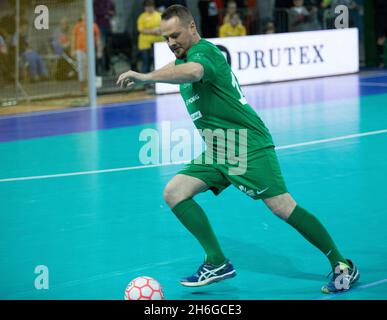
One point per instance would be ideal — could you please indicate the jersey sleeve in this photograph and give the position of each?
(200, 56)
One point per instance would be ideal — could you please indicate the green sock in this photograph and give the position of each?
(195, 220)
(313, 231)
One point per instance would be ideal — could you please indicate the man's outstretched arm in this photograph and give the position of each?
(171, 73)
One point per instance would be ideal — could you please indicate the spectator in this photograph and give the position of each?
(61, 38)
(269, 28)
(313, 6)
(234, 28)
(5, 70)
(8, 23)
(209, 18)
(30, 59)
(231, 9)
(241, 4)
(37, 70)
(264, 13)
(79, 48)
(240, 7)
(299, 17)
(148, 26)
(104, 11)
(61, 44)
(161, 5)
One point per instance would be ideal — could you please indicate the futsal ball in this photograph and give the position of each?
(144, 288)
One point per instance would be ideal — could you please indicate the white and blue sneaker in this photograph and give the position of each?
(343, 278)
(208, 273)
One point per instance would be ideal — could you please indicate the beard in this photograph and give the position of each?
(179, 52)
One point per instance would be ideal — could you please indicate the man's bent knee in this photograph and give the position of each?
(173, 196)
(182, 187)
(282, 205)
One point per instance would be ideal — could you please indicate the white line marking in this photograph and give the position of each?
(290, 146)
(373, 284)
(60, 175)
(351, 136)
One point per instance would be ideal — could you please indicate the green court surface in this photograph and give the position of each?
(95, 229)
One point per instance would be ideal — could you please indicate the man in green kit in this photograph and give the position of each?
(216, 104)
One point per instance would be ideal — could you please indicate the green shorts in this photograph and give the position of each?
(262, 178)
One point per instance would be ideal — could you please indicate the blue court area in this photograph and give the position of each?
(76, 198)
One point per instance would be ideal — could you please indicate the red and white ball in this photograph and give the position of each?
(144, 288)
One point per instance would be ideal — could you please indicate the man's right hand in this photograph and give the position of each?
(131, 78)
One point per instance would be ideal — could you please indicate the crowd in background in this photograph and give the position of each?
(228, 18)
(133, 38)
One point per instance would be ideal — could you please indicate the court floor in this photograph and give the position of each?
(77, 198)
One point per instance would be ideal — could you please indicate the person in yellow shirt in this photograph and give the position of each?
(148, 26)
(230, 10)
(234, 28)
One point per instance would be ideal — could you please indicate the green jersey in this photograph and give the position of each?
(217, 102)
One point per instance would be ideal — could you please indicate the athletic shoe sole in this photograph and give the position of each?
(206, 282)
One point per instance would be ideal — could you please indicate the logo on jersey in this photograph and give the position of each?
(197, 55)
(252, 193)
(186, 85)
(192, 99)
(195, 116)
